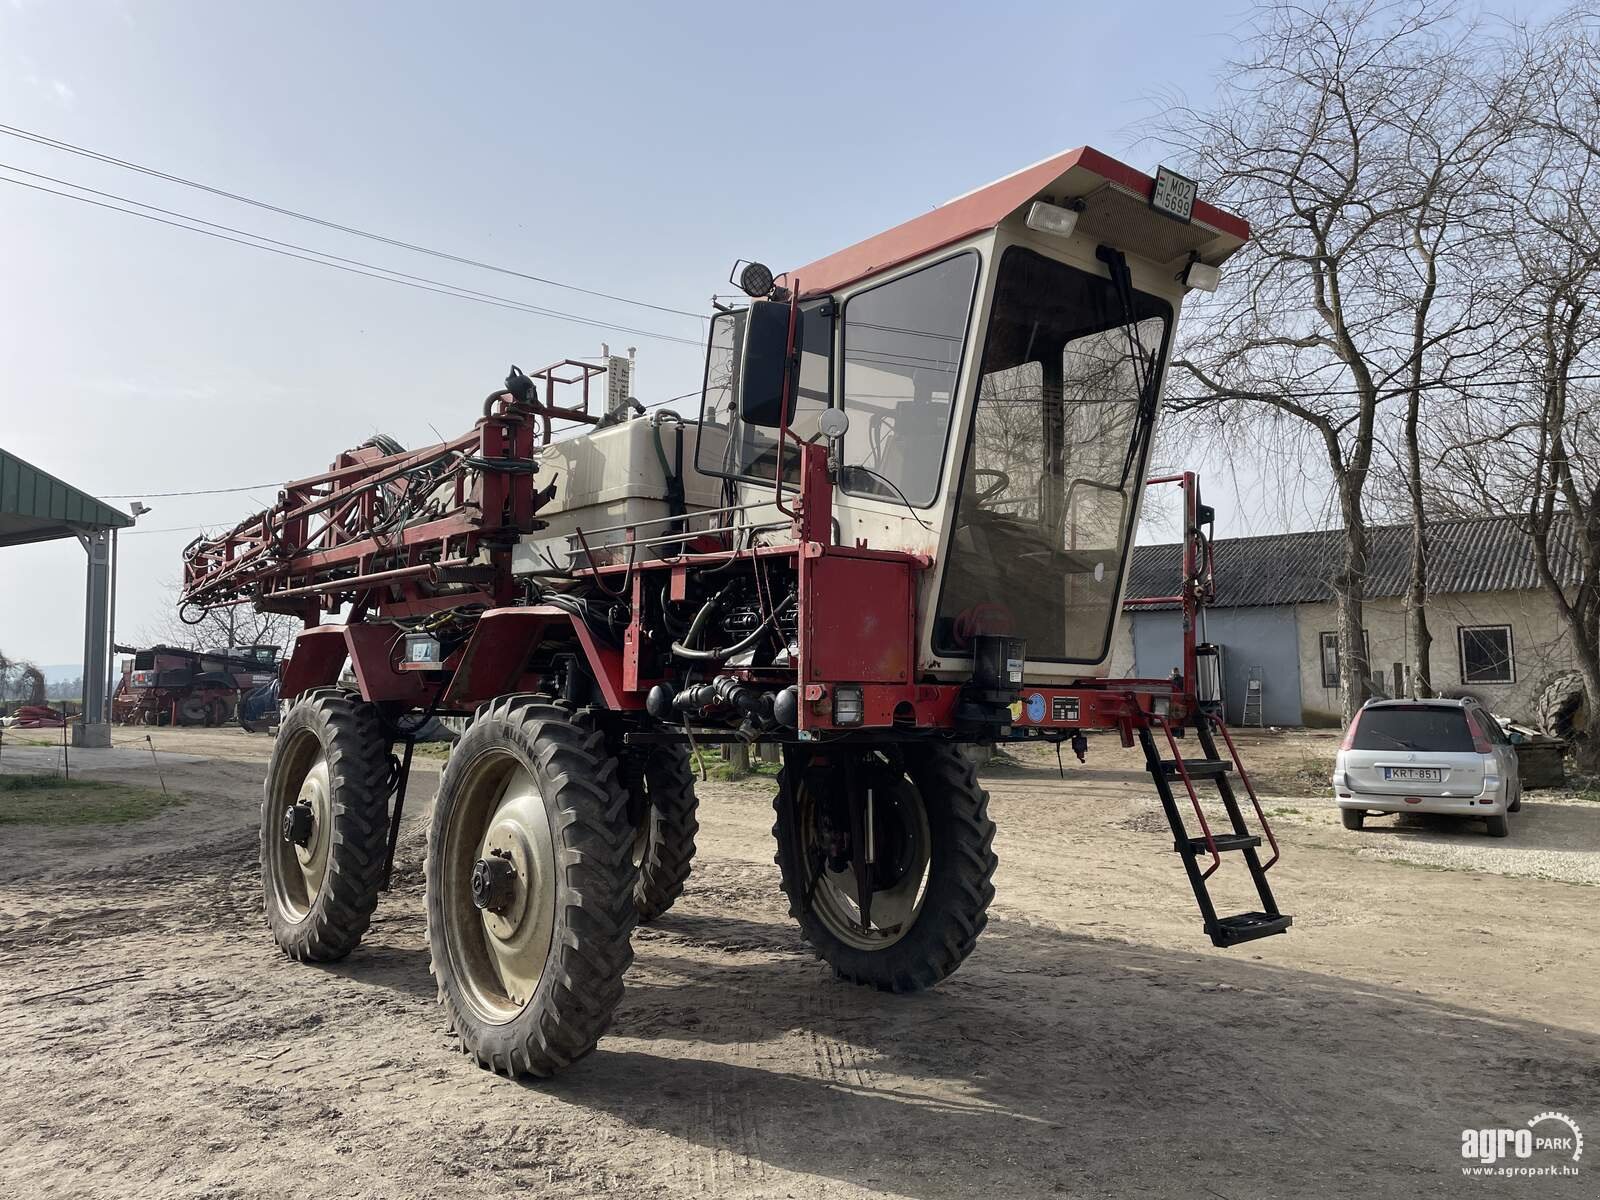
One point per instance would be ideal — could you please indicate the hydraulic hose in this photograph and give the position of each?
(722, 654)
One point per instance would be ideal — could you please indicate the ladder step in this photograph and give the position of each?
(1198, 768)
(1224, 841)
(1247, 927)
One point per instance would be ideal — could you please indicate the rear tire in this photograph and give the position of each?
(662, 803)
(1353, 818)
(332, 759)
(943, 803)
(1498, 826)
(530, 966)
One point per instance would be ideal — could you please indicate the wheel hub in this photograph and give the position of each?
(494, 882)
(297, 823)
(498, 886)
(309, 814)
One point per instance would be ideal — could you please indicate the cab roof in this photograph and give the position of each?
(1104, 185)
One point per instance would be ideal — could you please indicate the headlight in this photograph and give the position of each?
(847, 706)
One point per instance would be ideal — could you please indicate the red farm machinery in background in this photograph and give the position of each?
(174, 685)
(899, 526)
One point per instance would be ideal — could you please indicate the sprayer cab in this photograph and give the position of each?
(995, 367)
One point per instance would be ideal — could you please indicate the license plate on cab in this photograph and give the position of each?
(1414, 774)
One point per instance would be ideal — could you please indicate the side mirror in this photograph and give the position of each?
(762, 362)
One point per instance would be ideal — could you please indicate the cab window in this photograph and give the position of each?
(902, 357)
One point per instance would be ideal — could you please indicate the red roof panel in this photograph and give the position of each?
(980, 210)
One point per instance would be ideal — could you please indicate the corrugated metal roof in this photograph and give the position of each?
(35, 506)
(1479, 554)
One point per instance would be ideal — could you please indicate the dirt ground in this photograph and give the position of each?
(155, 1044)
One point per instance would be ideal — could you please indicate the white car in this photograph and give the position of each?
(1447, 757)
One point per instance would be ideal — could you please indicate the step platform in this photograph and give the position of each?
(1247, 927)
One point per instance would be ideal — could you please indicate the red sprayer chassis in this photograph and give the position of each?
(899, 526)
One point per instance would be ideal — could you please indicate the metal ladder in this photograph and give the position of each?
(1252, 700)
(1240, 927)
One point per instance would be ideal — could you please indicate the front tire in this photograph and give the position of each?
(325, 825)
(933, 866)
(530, 887)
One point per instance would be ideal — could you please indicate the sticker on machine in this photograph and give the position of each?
(1036, 707)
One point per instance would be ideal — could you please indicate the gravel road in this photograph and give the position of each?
(154, 1044)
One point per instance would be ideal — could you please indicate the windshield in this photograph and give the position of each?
(1053, 462)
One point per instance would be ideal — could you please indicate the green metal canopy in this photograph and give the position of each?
(37, 507)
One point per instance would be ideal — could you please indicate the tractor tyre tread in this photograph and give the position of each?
(358, 774)
(1559, 706)
(591, 947)
(959, 888)
(669, 808)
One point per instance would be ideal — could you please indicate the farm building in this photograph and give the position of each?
(38, 507)
(1495, 630)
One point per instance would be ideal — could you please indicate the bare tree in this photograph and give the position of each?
(1530, 446)
(220, 628)
(1354, 139)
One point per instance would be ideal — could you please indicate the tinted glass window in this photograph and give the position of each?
(902, 353)
(1438, 729)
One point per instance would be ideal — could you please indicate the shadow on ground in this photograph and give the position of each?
(1053, 1061)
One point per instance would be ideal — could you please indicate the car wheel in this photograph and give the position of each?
(1498, 826)
(1353, 818)
(1516, 805)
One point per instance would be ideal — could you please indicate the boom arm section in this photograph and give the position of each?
(396, 534)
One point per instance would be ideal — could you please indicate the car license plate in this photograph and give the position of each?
(1414, 774)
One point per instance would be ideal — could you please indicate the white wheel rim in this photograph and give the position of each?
(498, 956)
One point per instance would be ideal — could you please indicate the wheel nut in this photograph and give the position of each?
(493, 883)
(297, 822)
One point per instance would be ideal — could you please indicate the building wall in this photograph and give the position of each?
(1121, 665)
(1249, 637)
(1537, 648)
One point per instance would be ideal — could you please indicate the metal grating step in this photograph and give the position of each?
(1247, 927)
(1198, 768)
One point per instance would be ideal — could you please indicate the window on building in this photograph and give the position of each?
(1330, 657)
(1486, 654)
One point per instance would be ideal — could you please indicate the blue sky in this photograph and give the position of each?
(636, 149)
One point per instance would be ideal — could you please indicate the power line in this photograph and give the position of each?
(421, 283)
(355, 262)
(97, 156)
(253, 487)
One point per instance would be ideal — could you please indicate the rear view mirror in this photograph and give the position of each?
(764, 356)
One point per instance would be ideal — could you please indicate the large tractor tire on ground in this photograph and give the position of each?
(325, 825)
(1562, 708)
(932, 871)
(661, 805)
(194, 710)
(530, 894)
